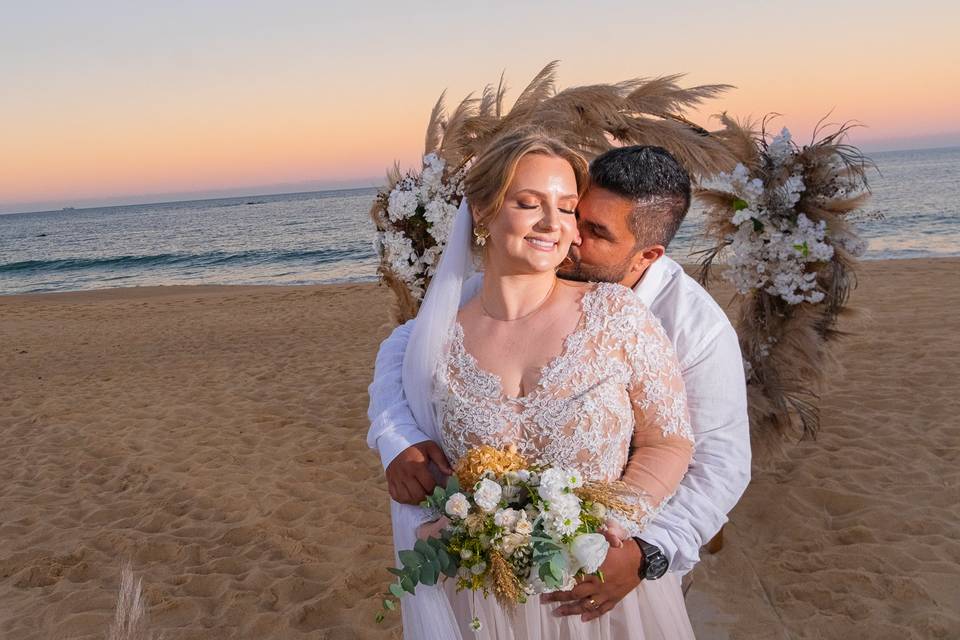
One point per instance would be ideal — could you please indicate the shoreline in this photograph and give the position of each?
(189, 289)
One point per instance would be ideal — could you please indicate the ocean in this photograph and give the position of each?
(327, 237)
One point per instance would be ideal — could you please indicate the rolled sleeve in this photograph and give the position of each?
(392, 425)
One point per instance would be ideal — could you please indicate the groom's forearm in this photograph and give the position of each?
(392, 425)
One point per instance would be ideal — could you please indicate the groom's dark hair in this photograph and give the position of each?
(654, 181)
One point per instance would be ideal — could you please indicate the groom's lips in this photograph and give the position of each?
(540, 244)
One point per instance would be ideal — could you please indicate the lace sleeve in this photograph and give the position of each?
(662, 443)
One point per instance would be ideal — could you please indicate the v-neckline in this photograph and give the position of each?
(545, 371)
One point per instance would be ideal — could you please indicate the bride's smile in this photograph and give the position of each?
(534, 228)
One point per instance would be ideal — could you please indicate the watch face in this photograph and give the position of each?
(656, 566)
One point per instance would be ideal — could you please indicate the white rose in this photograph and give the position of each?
(523, 526)
(457, 506)
(513, 541)
(590, 550)
(506, 518)
(488, 494)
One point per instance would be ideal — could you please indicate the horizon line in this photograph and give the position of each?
(258, 190)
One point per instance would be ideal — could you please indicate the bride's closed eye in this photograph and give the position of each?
(524, 205)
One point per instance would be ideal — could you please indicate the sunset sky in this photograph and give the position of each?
(109, 102)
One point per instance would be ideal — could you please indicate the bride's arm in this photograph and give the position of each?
(662, 444)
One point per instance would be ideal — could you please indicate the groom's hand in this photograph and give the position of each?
(591, 598)
(408, 475)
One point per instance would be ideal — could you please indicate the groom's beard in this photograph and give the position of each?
(573, 269)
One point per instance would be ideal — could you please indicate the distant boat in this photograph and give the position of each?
(69, 209)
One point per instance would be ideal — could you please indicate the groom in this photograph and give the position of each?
(638, 197)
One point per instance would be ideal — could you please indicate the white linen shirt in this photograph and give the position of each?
(709, 354)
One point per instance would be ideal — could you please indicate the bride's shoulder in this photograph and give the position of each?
(611, 299)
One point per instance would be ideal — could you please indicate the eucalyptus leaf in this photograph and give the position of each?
(407, 584)
(428, 575)
(424, 549)
(412, 574)
(443, 558)
(453, 485)
(395, 571)
(396, 590)
(390, 604)
(410, 558)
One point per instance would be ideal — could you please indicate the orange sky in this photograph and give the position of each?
(107, 101)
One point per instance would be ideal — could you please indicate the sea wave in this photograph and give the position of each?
(213, 258)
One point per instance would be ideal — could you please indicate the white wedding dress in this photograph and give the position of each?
(612, 405)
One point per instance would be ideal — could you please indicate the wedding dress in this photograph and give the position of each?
(611, 405)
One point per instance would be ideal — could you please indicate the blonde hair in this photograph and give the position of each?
(487, 181)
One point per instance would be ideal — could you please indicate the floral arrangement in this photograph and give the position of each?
(510, 528)
(417, 217)
(778, 219)
(776, 247)
(413, 213)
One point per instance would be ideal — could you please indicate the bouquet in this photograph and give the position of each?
(510, 527)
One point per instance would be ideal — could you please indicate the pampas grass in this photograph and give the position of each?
(130, 620)
(590, 119)
(787, 346)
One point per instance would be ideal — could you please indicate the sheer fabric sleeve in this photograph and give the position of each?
(662, 443)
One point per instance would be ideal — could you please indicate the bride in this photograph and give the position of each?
(573, 374)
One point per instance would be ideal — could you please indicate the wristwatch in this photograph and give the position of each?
(654, 563)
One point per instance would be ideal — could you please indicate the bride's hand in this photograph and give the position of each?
(432, 529)
(614, 533)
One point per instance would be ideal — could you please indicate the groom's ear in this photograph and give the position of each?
(643, 258)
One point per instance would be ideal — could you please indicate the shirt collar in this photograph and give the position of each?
(653, 280)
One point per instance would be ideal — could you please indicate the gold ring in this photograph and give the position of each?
(593, 603)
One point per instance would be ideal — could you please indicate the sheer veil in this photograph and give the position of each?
(427, 614)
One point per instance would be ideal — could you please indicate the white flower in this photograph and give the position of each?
(590, 550)
(457, 506)
(487, 495)
(574, 479)
(478, 568)
(506, 518)
(401, 204)
(440, 215)
(552, 484)
(780, 148)
(513, 541)
(523, 526)
(565, 504)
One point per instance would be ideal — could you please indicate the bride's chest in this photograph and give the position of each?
(578, 414)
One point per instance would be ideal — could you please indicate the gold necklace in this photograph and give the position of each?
(527, 314)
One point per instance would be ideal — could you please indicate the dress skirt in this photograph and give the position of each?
(655, 610)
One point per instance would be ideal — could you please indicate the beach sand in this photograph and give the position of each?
(215, 438)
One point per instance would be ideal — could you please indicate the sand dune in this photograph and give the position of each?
(215, 437)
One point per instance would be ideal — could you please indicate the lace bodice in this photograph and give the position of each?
(616, 383)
